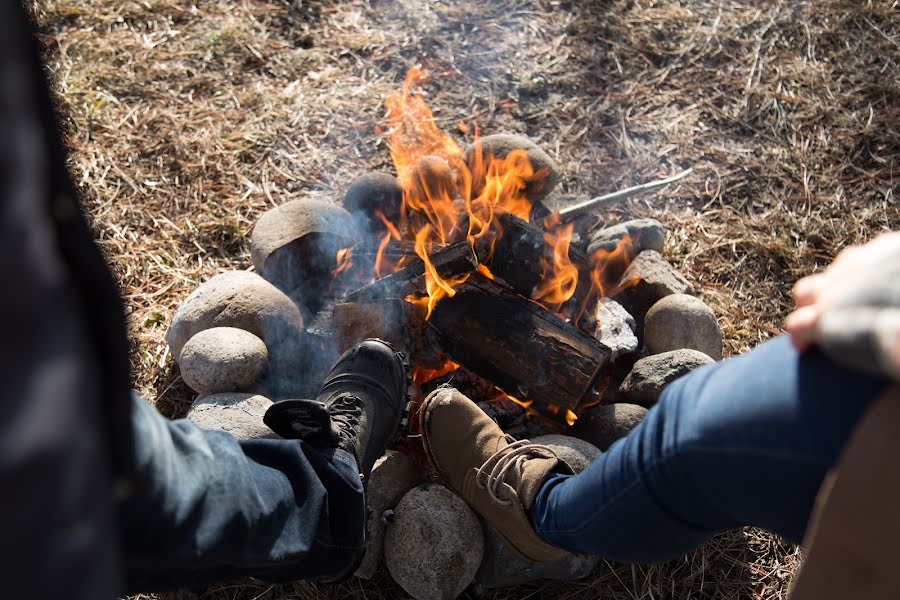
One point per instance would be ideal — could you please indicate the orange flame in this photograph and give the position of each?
(344, 260)
(446, 198)
(560, 276)
(424, 375)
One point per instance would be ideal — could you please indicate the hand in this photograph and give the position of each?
(860, 290)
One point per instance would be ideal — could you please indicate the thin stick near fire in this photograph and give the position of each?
(572, 212)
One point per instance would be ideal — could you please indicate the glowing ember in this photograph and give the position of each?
(571, 417)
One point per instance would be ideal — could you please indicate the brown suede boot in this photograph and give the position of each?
(498, 476)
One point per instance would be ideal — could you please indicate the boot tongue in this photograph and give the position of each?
(534, 473)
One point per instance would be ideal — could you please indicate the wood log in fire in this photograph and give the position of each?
(524, 349)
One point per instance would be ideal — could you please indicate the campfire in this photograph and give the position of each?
(553, 320)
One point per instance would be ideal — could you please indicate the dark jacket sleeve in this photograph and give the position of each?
(64, 385)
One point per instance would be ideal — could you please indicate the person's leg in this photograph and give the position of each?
(209, 508)
(743, 442)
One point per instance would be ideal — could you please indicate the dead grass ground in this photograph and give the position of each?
(188, 119)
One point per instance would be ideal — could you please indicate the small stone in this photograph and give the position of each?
(652, 374)
(615, 328)
(393, 475)
(501, 144)
(241, 415)
(603, 425)
(502, 567)
(645, 234)
(223, 359)
(577, 453)
(682, 321)
(371, 193)
(648, 279)
(295, 246)
(235, 299)
(434, 544)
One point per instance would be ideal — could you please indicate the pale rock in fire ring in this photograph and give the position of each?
(682, 321)
(648, 279)
(501, 144)
(241, 415)
(645, 234)
(615, 328)
(652, 374)
(393, 475)
(502, 567)
(223, 359)
(434, 543)
(603, 425)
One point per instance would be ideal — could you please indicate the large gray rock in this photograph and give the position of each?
(434, 545)
(370, 194)
(223, 359)
(247, 301)
(241, 415)
(644, 234)
(652, 374)
(603, 425)
(236, 299)
(682, 321)
(647, 280)
(615, 328)
(295, 246)
(501, 144)
(393, 475)
(502, 567)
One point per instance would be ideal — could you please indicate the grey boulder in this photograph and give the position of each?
(603, 425)
(644, 234)
(501, 144)
(615, 328)
(682, 321)
(502, 567)
(652, 374)
(393, 475)
(373, 193)
(647, 280)
(241, 415)
(223, 359)
(434, 544)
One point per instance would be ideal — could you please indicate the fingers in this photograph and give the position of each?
(801, 325)
(807, 290)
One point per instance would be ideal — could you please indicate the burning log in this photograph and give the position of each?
(525, 350)
(518, 253)
(391, 319)
(450, 261)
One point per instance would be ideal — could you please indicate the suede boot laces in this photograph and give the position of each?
(491, 475)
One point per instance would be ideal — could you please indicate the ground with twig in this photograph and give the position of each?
(187, 120)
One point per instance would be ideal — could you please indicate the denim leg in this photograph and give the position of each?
(742, 442)
(208, 508)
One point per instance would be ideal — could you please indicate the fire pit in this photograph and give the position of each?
(465, 262)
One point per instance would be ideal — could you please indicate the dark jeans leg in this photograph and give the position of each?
(743, 442)
(210, 509)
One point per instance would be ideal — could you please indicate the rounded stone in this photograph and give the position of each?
(650, 375)
(682, 321)
(603, 425)
(546, 170)
(295, 246)
(577, 453)
(434, 545)
(644, 234)
(393, 475)
(370, 194)
(241, 415)
(223, 359)
(236, 299)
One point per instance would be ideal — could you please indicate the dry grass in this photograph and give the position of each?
(188, 119)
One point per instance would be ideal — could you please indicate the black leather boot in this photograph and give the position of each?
(360, 408)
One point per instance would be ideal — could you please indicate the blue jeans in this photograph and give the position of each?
(208, 508)
(746, 441)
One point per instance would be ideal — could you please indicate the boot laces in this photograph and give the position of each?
(491, 475)
(345, 412)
